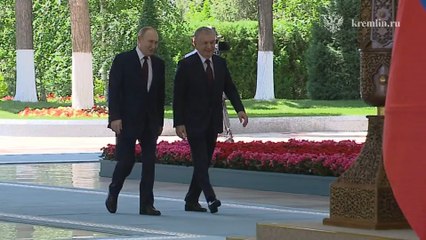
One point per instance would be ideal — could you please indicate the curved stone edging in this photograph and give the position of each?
(266, 181)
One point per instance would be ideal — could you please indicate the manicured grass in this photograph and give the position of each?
(277, 108)
(285, 108)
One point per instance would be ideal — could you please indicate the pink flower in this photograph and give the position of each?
(327, 158)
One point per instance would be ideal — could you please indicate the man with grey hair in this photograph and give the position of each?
(200, 81)
(136, 112)
(226, 121)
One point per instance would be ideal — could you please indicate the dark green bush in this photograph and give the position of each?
(7, 45)
(332, 58)
(289, 46)
(3, 87)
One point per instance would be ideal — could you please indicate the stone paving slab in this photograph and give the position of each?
(71, 195)
(97, 128)
(49, 158)
(37, 145)
(84, 209)
(20, 231)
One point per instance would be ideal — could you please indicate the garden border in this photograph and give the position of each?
(266, 181)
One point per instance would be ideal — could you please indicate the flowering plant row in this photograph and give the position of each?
(326, 158)
(66, 112)
(96, 111)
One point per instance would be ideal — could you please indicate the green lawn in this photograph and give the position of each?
(285, 108)
(277, 108)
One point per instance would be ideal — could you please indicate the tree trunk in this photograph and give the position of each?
(25, 71)
(265, 57)
(82, 73)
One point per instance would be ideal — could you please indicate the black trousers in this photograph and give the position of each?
(202, 147)
(125, 154)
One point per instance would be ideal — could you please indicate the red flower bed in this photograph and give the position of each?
(96, 111)
(7, 98)
(326, 158)
(66, 112)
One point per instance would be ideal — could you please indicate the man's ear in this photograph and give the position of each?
(193, 41)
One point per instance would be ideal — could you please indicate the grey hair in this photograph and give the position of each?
(143, 30)
(204, 30)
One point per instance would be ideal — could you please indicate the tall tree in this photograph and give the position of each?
(149, 14)
(25, 71)
(82, 74)
(172, 30)
(265, 56)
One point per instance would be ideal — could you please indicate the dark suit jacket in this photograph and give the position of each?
(196, 104)
(127, 98)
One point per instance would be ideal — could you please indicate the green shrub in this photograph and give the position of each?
(242, 57)
(99, 87)
(332, 58)
(8, 44)
(3, 87)
(289, 64)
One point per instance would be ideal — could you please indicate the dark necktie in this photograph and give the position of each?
(145, 73)
(209, 72)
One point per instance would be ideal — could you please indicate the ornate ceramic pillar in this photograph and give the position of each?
(362, 196)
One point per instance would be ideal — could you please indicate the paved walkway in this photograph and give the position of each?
(32, 145)
(97, 128)
(58, 194)
(71, 195)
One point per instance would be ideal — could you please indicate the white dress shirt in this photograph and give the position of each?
(140, 55)
(203, 60)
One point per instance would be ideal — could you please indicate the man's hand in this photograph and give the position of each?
(117, 126)
(160, 130)
(243, 118)
(181, 131)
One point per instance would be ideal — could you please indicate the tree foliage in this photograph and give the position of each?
(114, 26)
(220, 10)
(149, 14)
(162, 15)
(332, 58)
(52, 49)
(7, 46)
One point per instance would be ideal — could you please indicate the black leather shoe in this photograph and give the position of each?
(194, 207)
(214, 205)
(149, 210)
(111, 203)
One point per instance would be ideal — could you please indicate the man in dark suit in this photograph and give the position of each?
(136, 112)
(197, 112)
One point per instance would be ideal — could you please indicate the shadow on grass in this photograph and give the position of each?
(304, 104)
(261, 105)
(289, 114)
